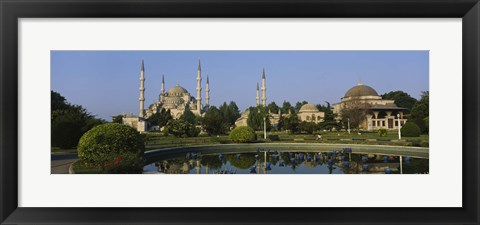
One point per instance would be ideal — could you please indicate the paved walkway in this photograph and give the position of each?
(60, 162)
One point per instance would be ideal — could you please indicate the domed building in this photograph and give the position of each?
(310, 113)
(176, 99)
(380, 113)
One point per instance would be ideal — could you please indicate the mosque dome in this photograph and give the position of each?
(177, 91)
(361, 90)
(308, 108)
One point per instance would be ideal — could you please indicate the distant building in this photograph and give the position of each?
(177, 99)
(380, 113)
(310, 113)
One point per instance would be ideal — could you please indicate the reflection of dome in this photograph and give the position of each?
(361, 90)
(308, 108)
(177, 91)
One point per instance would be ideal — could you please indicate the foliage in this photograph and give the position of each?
(188, 116)
(230, 113)
(354, 111)
(420, 111)
(287, 108)
(116, 148)
(401, 99)
(213, 122)
(256, 118)
(307, 127)
(181, 128)
(273, 107)
(274, 137)
(212, 161)
(382, 132)
(69, 122)
(410, 129)
(291, 123)
(243, 134)
(117, 119)
(329, 122)
(160, 118)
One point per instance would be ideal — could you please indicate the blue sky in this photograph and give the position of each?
(107, 82)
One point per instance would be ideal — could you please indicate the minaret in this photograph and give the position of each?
(199, 88)
(264, 89)
(207, 93)
(142, 91)
(162, 90)
(258, 95)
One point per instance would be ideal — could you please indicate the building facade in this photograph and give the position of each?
(379, 113)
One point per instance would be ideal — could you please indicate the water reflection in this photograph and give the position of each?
(273, 162)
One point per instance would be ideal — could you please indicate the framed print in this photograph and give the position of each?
(239, 112)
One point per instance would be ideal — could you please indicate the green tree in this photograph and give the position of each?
(69, 122)
(329, 121)
(307, 127)
(160, 118)
(243, 134)
(213, 122)
(188, 116)
(401, 99)
(420, 111)
(299, 105)
(273, 107)
(287, 107)
(230, 113)
(355, 111)
(256, 118)
(181, 128)
(291, 122)
(117, 119)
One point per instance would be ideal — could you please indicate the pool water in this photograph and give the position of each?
(282, 162)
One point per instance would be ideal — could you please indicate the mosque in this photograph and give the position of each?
(380, 113)
(177, 99)
(307, 112)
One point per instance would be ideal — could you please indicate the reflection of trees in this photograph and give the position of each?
(246, 160)
(212, 161)
(416, 166)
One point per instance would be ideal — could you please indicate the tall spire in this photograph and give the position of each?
(264, 89)
(142, 91)
(258, 96)
(199, 88)
(207, 93)
(162, 90)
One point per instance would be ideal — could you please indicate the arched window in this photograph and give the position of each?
(319, 118)
(308, 117)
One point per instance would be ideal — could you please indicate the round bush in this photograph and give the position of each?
(116, 148)
(243, 134)
(410, 129)
(382, 132)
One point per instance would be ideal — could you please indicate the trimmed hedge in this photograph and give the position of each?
(410, 129)
(243, 134)
(382, 132)
(115, 148)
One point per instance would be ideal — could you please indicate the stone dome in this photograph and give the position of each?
(308, 108)
(361, 90)
(177, 91)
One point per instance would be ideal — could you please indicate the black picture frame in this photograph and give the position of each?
(11, 11)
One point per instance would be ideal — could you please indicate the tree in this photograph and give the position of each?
(69, 122)
(354, 111)
(181, 128)
(291, 123)
(299, 105)
(188, 116)
(287, 107)
(273, 107)
(307, 127)
(160, 118)
(420, 111)
(213, 122)
(401, 99)
(329, 121)
(243, 134)
(117, 119)
(256, 118)
(230, 113)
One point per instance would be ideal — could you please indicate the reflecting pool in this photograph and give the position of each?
(342, 161)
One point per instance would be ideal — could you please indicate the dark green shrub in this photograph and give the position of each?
(115, 148)
(410, 129)
(274, 137)
(243, 134)
(382, 132)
